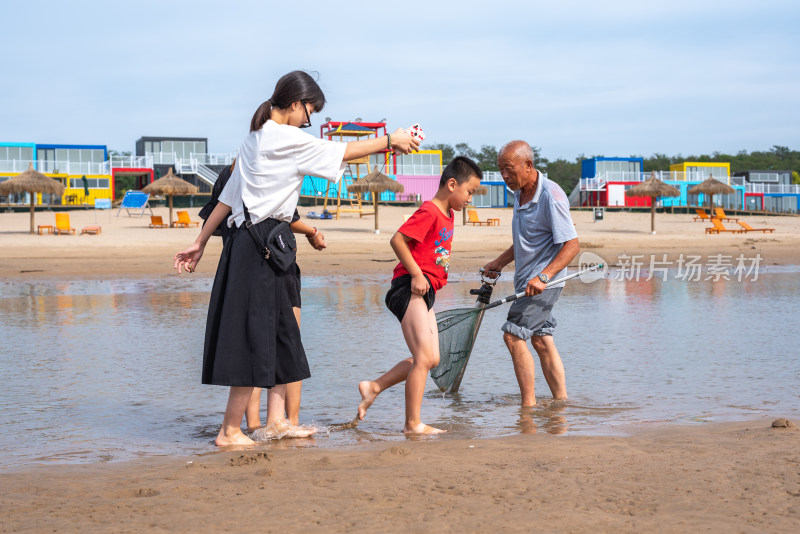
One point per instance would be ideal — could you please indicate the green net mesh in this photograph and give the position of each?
(457, 329)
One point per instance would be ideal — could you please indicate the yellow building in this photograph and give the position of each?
(697, 171)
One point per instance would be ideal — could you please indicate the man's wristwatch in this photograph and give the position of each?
(543, 277)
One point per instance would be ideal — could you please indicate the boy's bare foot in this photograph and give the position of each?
(233, 438)
(422, 428)
(369, 391)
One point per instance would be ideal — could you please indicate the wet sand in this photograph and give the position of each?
(703, 477)
(735, 477)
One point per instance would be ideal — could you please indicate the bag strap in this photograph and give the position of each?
(262, 247)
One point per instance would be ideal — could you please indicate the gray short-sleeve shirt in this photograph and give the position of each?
(540, 228)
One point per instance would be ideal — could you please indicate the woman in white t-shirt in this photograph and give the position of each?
(252, 338)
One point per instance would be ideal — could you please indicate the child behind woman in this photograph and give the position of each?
(422, 244)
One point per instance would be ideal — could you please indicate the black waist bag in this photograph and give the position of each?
(280, 248)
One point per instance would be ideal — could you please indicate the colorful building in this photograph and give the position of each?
(83, 169)
(604, 181)
(770, 190)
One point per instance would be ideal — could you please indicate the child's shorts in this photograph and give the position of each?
(399, 295)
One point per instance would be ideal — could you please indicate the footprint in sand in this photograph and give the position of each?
(248, 459)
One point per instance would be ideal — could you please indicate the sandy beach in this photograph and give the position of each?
(127, 247)
(716, 477)
(742, 477)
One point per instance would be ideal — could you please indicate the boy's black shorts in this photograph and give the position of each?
(399, 295)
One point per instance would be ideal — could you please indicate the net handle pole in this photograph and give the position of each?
(521, 294)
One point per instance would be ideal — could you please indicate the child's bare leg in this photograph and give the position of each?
(276, 409)
(231, 431)
(294, 390)
(293, 393)
(422, 337)
(369, 390)
(253, 412)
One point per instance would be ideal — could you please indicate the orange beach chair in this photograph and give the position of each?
(721, 215)
(473, 219)
(94, 229)
(701, 215)
(184, 221)
(157, 222)
(63, 225)
(747, 228)
(718, 228)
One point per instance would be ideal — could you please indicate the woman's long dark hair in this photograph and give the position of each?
(292, 87)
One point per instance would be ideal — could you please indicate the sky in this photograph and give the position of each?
(613, 78)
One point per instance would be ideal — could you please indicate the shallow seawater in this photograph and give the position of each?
(110, 370)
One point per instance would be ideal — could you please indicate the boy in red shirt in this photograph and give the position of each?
(422, 245)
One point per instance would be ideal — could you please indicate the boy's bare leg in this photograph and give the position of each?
(231, 431)
(276, 418)
(253, 412)
(524, 367)
(369, 390)
(422, 338)
(552, 366)
(293, 394)
(294, 390)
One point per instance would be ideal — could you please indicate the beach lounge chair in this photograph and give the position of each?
(62, 224)
(92, 230)
(135, 200)
(157, 222)
(747, 228)
(718, 228)
(473, 219)
(720, 214)
(184, 221)
(701, 215)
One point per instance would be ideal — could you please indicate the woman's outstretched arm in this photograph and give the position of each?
(189, 258)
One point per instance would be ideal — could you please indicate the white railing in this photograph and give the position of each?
(593, 184)
(185, 165)
(598, 183)
(213, 159)
(54, 167)
(772, 188)
(418, 170)
(163, 158)
(131, 162)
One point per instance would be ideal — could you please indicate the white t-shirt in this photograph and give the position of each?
(270, 168)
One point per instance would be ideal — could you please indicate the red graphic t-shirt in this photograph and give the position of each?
(431, 234)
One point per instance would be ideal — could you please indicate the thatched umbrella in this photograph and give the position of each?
(653, 188)
(711, 186)
(168, 186)
(32, 181)
(376, 183)
(482, 190)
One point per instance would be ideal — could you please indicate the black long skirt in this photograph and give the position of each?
(252, 336)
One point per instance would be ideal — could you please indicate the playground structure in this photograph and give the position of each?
(352, 131)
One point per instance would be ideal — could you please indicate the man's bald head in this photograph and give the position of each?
(517, 150)
(515, 161)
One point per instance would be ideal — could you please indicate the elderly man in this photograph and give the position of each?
(544, 243)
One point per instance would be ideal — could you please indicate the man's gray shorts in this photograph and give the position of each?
(532, 316)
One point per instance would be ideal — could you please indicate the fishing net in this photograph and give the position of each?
(457, 331)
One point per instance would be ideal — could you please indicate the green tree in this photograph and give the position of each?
(487, 158)
(463, 149)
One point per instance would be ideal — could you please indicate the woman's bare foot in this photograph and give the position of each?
(283, 429)
(369, 391)
(422, 428)
(232, 437)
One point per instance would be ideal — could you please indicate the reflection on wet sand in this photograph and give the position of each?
(547, 415)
